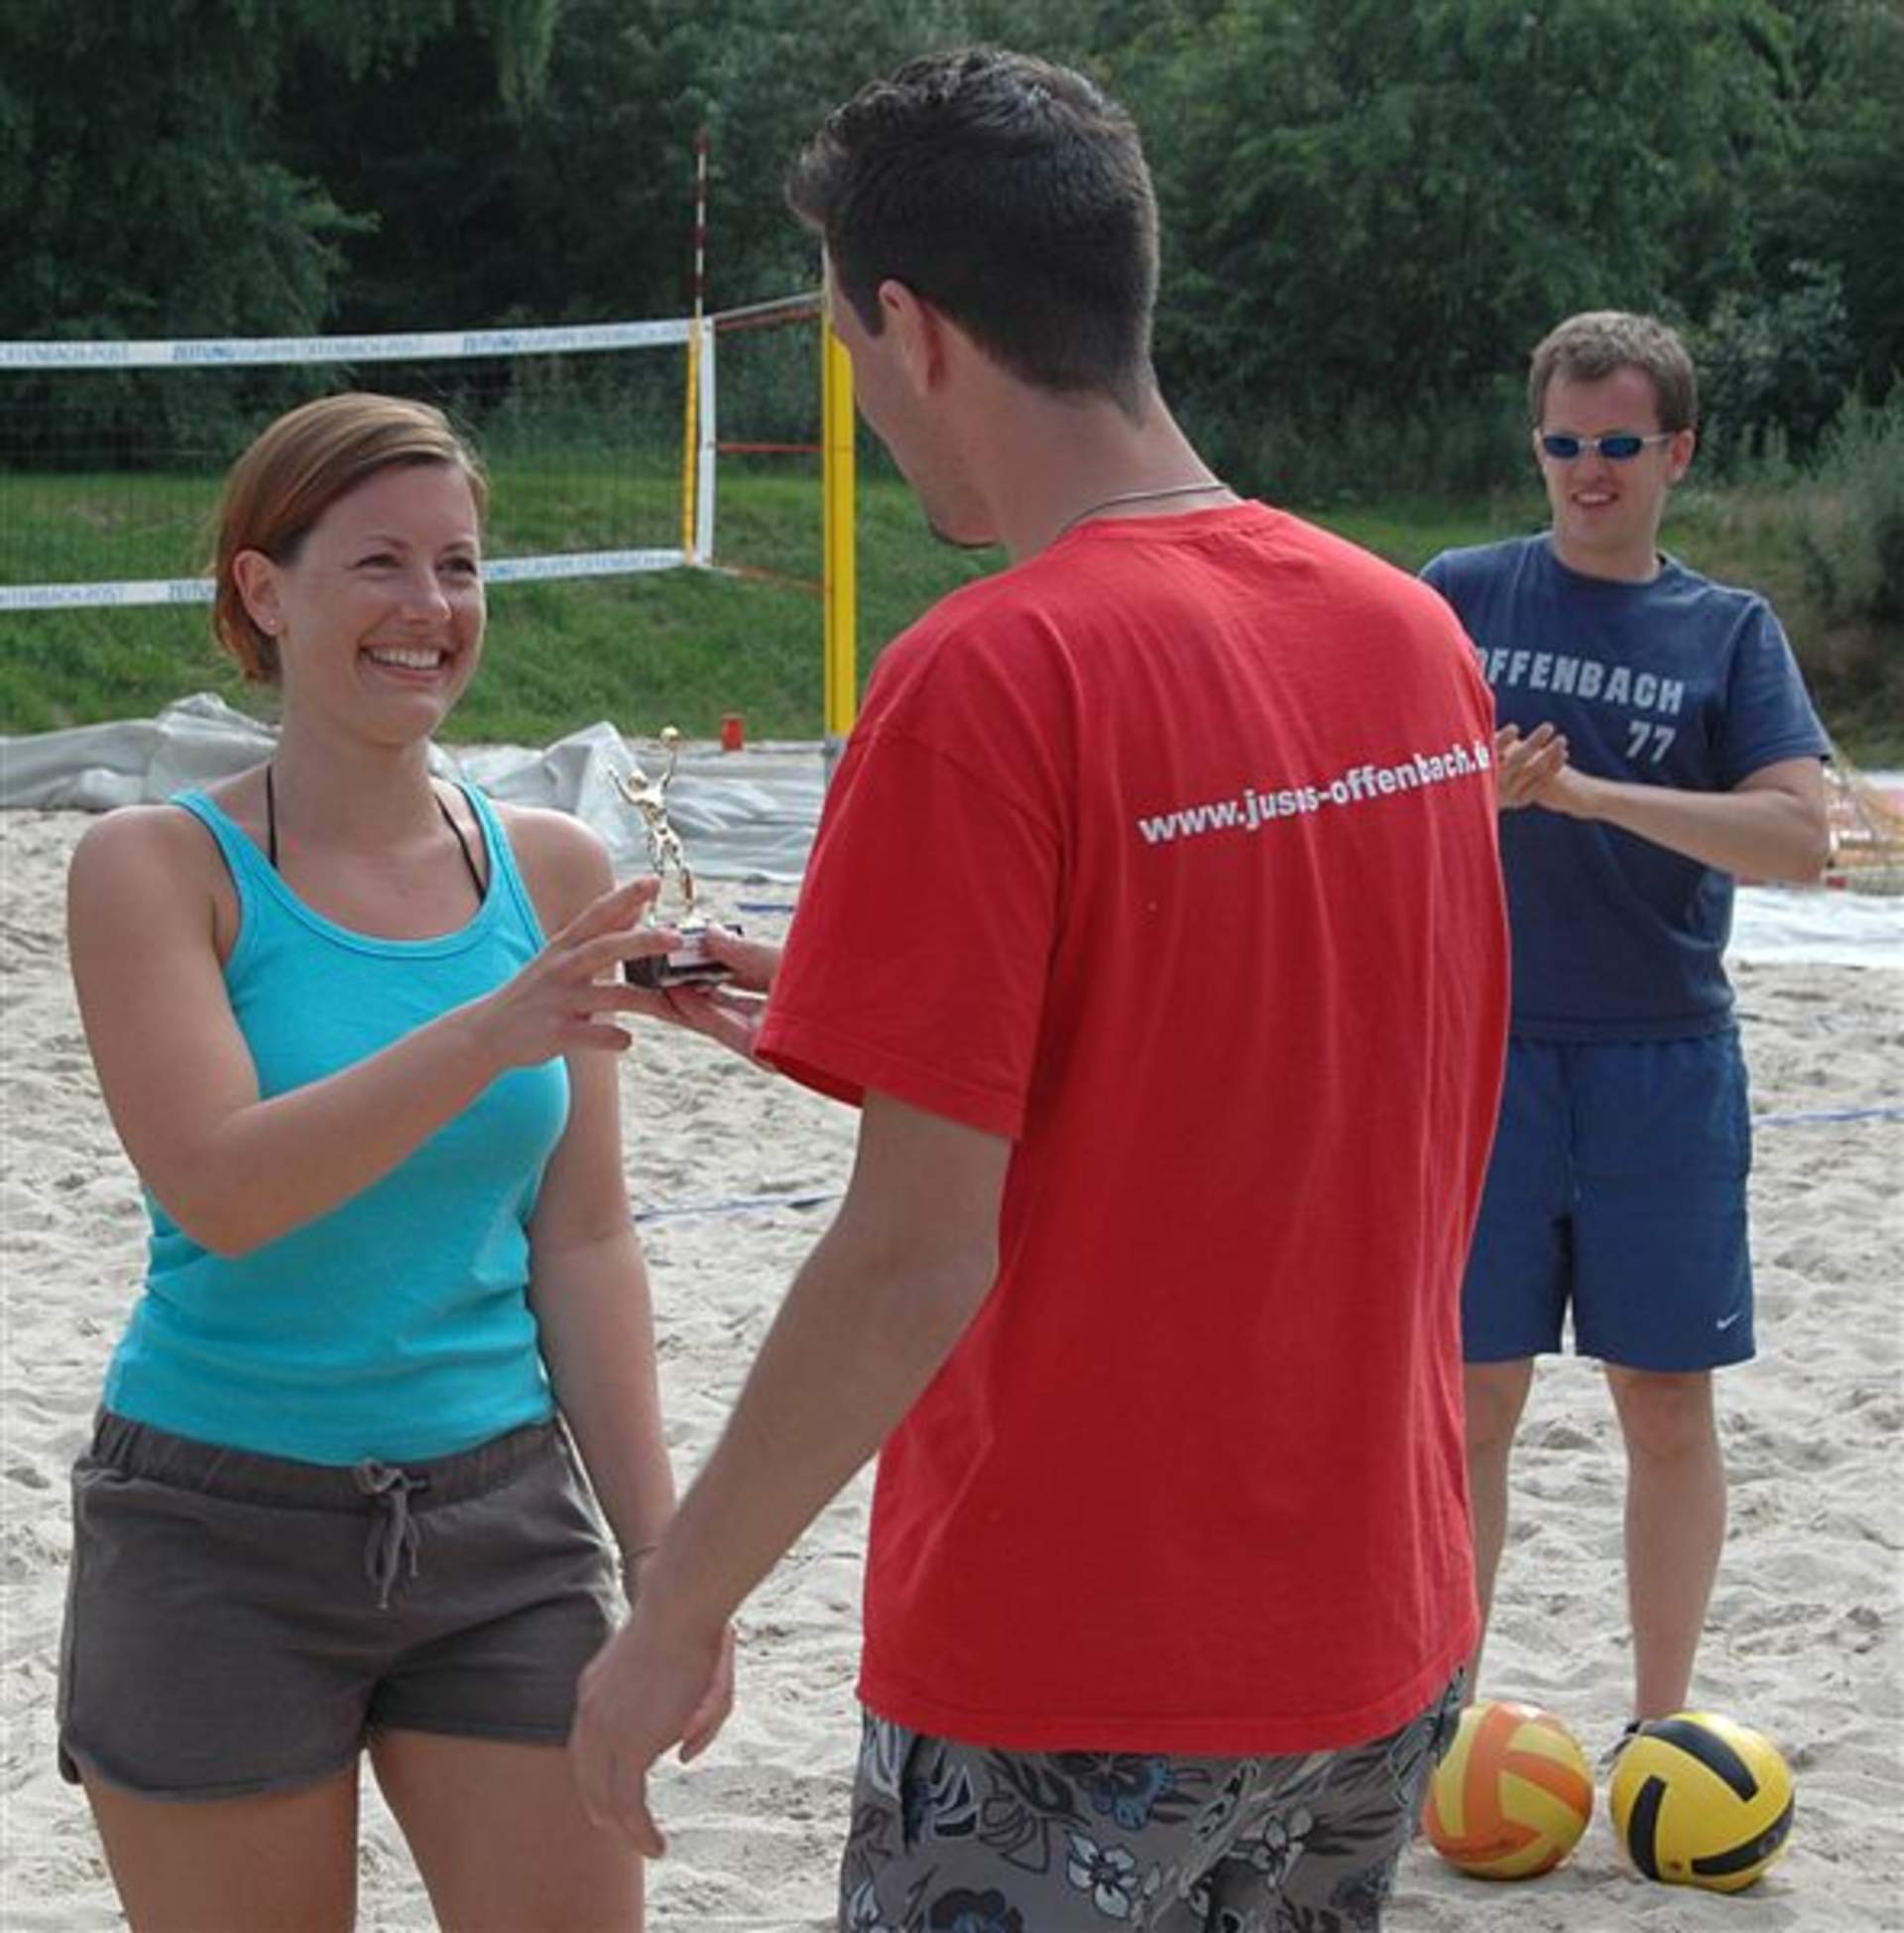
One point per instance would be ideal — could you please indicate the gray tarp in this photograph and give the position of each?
(746, 814)
(741, 816)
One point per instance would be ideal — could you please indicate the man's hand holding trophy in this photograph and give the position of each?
(689, 964)
(714, 982)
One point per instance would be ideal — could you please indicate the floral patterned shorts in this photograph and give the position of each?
(952, 1837)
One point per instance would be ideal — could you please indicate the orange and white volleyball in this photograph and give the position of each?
(1513, 1795)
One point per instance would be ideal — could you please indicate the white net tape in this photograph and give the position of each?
(429, 347)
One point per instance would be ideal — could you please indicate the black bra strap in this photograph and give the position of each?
(462, 844)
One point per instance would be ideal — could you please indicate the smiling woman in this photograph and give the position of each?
(374, 1110)
(382, 599)
(306, 463)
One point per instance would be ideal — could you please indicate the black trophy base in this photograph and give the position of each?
(688, 965)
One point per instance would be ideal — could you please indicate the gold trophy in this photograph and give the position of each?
(688, 964)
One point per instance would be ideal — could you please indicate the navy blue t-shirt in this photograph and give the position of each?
(1678, 682)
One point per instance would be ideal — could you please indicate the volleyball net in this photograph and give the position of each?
(608, 444)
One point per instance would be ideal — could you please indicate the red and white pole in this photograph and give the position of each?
(694, 483)
(701, 143)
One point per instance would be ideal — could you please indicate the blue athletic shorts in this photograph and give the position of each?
(1616, 1189)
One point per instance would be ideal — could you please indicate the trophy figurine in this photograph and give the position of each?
(687, 964)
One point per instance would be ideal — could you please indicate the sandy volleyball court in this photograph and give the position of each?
(1804, 1638)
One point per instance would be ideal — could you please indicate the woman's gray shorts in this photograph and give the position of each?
(240, 1624)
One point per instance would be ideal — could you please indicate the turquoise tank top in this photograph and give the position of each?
(396, 1326)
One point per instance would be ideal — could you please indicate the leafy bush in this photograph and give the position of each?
(1824, 542)
(1367, 450)
(1774, 367)
(1852, 516)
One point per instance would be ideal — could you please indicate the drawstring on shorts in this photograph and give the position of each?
(393, 1530)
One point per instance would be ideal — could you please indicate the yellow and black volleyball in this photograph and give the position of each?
(1700, 1800)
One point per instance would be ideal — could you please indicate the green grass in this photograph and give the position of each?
(677, 647)
(1409, 533)
(686, 646)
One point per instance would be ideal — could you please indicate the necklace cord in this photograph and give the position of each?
(1207, 486)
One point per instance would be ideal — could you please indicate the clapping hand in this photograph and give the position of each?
(1524, 768)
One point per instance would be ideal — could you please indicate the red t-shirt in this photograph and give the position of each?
(1171, 855)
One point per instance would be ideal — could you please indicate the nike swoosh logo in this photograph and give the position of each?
(1727, 1321)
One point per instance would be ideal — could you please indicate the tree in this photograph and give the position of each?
(144, 190)
(144, 187)
(1373, 207)
(1380, 205)
(1774, 365)
(1841, 203)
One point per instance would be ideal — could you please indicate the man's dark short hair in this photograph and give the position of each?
(1009, 193)
(1600, 342)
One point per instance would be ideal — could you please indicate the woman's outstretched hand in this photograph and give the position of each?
(566, 998)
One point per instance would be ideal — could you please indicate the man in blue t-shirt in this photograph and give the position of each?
(1654, 742)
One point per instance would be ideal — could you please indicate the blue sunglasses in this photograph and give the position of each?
(1620, 448)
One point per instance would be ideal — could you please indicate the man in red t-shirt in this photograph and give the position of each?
(1154, 922)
